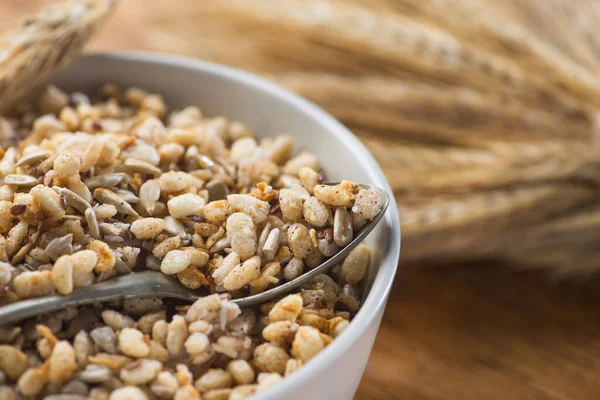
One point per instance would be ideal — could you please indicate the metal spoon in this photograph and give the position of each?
(151, 283)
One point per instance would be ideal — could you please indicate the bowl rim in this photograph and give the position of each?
(384, 278)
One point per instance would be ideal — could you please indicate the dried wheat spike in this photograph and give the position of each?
(443, 111)
(482, 225)
(46, 42)
(523, 31)
(509, 205)
(564, 246)
(349, 38)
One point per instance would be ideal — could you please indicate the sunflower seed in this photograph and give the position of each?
(26, 247)
(127, 196)
(143, 167)
(113, 239)
(73, 199)
(149, 195)
(107, 196)
(60, 246)
(217, 190)
(328, 247)
(20, 180)
(105, 181)
(33, 158)
(271, 244)
(121, 267)
(220, 245)
(105, 338)
(95, 374)
(263, 238)
(342, 227)
(114, 229)
(92, 221)
(175, 227)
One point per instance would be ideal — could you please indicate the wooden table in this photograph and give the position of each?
(485, 332)
(458, 332)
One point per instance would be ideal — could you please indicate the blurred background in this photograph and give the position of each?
(484, 115)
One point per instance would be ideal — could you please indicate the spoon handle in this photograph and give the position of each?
(138, 284)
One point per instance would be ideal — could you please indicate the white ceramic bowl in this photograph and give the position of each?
(269, 110)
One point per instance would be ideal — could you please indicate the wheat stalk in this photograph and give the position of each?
(351, 37)
(477, 225)
(44, 43)
(576, 40)
(461, 113)
(562, 246)
(498, 26)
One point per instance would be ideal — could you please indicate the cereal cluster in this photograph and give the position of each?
(95, 190)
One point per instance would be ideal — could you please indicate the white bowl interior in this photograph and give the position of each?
(267, 110)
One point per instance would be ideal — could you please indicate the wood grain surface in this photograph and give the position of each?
(466, 332)
(485, 332)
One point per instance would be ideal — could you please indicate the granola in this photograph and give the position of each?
(96, 189)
